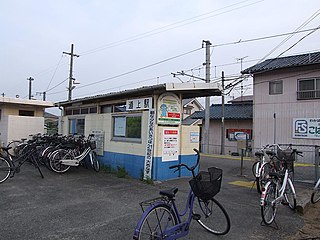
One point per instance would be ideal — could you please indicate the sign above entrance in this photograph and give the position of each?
(169, 109)
(139, 104)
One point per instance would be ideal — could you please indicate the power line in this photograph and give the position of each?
(263, 38)
(141, 68)
(171, 26)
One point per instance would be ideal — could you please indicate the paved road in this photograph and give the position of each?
(82, 204)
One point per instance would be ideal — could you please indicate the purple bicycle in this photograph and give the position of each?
(161, 218)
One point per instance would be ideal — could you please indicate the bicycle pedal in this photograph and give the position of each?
(285, 203)
(196, 216)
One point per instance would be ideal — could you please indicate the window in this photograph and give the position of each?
(26, 113)
(127, 128)
(275, 87)
(76, 126)
(308, 88)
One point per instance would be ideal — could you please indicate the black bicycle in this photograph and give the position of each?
(10, 165)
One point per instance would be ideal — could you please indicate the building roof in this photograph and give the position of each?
(187, 101)
(284, 62)
(20, 101)
(186, 89)
(190, 121)
(231, 111)
(242, 99)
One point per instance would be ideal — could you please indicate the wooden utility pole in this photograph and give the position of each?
(70, 87)
(207, 101)
(30, 79)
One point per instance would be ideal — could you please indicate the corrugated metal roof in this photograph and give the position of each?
(284, 62)
(231, 111)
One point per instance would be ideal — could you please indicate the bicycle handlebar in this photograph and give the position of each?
(186, 166)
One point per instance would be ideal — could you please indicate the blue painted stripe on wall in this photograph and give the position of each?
(134, 165)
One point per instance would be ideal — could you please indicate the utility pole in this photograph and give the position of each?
(222, 118)
(241, 87)
(207, 101)
(70, 87)
(30, 79)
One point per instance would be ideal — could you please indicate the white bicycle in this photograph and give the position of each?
(315, 196)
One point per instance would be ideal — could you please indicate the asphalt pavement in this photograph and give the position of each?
(83, 204)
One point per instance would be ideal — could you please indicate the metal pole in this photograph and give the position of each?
(207, 102)
(222, 118)
(316, 163)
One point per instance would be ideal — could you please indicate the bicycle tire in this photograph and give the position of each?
(95, 162)
(5, 169)
(254, 168)
(156, 221)
(290, 195)
(13, 147)
(55, 164)
(212, 216)
(269, 210)
(315, 196)
(264, 171)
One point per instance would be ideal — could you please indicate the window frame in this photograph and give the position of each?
(310, 94)
(125, 138)
(273, 87)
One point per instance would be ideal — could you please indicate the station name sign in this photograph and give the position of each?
(139, 104)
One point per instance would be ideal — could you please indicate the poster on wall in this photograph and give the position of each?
(194, 137)
(170, 149)
(169, 109)
(99, 138)
(120, 127)
(306, 128)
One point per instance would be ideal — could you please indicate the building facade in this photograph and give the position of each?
(287, 101)
(139, 130)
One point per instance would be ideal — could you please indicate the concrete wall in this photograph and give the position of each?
(17, 127)
(131, 155)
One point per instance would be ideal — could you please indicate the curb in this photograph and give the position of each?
(303, 200)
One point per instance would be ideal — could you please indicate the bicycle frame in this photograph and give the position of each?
(286, 180)
(77, 159)
(182, 228)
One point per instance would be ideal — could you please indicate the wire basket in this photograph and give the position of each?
(207, 184)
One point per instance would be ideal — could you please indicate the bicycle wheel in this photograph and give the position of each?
(269, 209)
(315, 196)
(156, 222)
(94, 161)
(212, 216)
(264, 171)
(290, 195)
(55, 163)
(255, 167)
(13, 147)
(5, 169)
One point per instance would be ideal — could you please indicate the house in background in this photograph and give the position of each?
(20, 117)
(286, 103)
(51, 123)
(237, 125)
(190, 106)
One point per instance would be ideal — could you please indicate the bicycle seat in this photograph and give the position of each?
(170, 193)
(258, 154)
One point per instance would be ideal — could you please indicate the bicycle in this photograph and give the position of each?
(61, 160)
(161, 218)
(8, 167)
(315, 196)
(263, 166)
(279, 189)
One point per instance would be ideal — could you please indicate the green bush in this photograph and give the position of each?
(121, 173)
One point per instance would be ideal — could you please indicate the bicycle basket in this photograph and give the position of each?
(207, 184)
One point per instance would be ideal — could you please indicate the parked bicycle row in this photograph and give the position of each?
(274, 174)
(58, 153)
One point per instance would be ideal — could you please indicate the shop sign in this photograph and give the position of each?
(194, 137)
(235, 134)
(306, 128)
(169, 109)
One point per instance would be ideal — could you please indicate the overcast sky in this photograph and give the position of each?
(117, 38)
